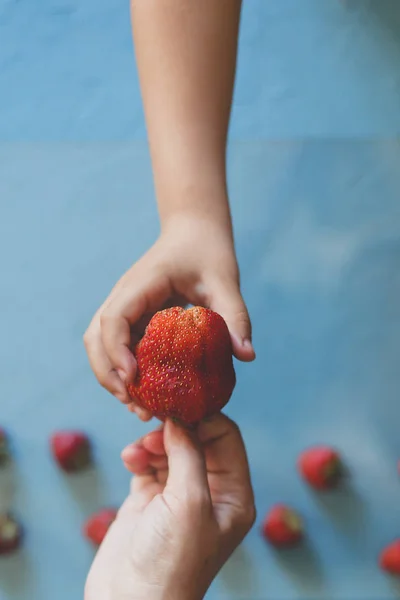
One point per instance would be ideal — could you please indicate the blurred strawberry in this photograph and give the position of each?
(321, 467)
(389, 559)
(283, 526)
(10, 534)
(71, 450)
(97, 525)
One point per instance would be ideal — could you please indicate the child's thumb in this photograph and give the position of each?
(228, 302)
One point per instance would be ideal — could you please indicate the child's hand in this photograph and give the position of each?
(192, 262)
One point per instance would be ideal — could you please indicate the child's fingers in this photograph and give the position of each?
(116, 333)
(142, 413)
(105, 373)
(116, 338)
(227, 300)
(101, 366)
(141, 293)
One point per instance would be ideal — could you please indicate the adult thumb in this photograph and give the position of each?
(187, 477)
(227, 300)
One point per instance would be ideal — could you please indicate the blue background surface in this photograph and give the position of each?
(314, 164)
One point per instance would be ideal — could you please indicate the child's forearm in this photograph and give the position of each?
(186, 56)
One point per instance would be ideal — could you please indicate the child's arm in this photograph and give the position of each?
(186, 54)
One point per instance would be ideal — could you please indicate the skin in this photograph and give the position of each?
(191, 503)
(186, 56)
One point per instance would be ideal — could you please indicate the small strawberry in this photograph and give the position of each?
(184, 365)
(71, 450)
(282, 526)
(97, 525)
(389, 559)
(10, 534)
(320, 467)
(4, 447)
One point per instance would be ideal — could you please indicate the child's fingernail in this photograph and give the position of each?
(122, 374)
(248, 345)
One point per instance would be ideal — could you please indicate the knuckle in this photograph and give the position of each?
(242, 316)
(87, 339)
(198, 502)
(102, 381)
(246, 517)
(105, 318)
(234, 428)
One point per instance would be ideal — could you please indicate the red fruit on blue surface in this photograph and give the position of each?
(71, 450)
(184, 365)
(389, 559)
(321, 467)
(283, 526)
(97, 525)
(10, 534)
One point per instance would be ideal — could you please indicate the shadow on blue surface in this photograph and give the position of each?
(346, 509)
(17, 576)
(304, 568)
(87, 489)
(239, 576)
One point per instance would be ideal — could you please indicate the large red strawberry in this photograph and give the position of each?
(184, 365)
(4, 447)
(389, 559)
(97, 525)
(321, 467)
(10, 534)
(71, 450)
(282, 526)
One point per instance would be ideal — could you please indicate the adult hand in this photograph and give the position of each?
(190, 505)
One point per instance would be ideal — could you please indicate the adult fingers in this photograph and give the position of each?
(227, 464)
(139, 461)
(144, 454)
(187, 480)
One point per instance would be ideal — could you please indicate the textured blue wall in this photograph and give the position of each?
(315, 185)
